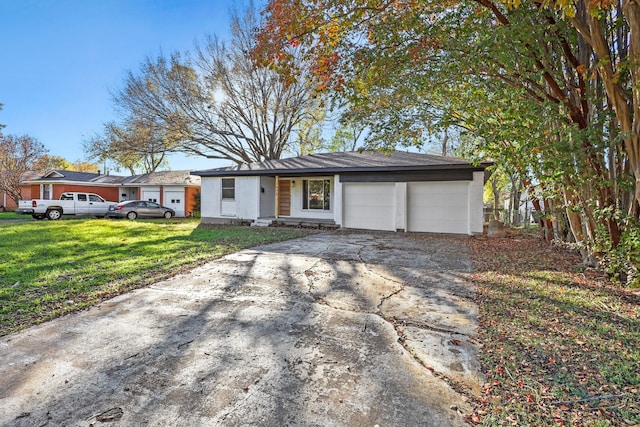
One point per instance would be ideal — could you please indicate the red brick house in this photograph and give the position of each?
(7, 203)
(174, 189)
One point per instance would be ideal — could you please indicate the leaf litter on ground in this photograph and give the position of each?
(560, 342)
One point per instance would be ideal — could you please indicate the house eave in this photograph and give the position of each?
(79, 183)
(157, 184)
(339, 170)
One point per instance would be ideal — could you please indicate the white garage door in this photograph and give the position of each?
(369, 205)
(438, 207)
(174, 199)
(151, 196)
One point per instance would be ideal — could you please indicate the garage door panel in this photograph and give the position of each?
(369, 206)
(438, 207)
(151, 196)
(174, 199)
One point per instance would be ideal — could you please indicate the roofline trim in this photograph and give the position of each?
(85, 183)
(340, 170)
(160, 184)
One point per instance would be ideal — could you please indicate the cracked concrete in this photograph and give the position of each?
(340, 329)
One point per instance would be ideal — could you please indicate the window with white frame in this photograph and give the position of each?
(228, 188)
(47, 191)
(316, 194)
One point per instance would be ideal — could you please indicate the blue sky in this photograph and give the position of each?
(60, 58)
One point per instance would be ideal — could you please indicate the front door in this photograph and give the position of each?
(284, 197)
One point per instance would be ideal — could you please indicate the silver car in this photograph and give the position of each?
(133, 209)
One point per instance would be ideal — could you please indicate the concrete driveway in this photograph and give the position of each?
(336, 329)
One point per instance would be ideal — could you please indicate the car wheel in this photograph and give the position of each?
(54, 214)
(132, 215)
(167, 215)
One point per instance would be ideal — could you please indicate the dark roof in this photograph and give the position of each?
(351, 161)
(164, 178)
(157, 178)
(29, 175)
(59, 175)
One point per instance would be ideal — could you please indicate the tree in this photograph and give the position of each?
(612, 31)
(136, 144)
(550, 92)
(306, 137)
(222, 104)
(17, 156)
(346, 137)
(47, 163)
(1, 125)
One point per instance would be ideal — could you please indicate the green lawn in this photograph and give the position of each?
(49, 268)
(561, 344)
(13, 215)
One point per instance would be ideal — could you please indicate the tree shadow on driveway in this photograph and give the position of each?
(305, 332)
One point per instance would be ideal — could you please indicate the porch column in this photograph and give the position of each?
(277, 195)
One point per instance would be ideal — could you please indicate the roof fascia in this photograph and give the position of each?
(335, 170)
(81, 183)
(51, 174)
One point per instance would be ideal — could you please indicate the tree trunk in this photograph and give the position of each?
(516, 190)
(444, 143)
(496, 200)
(546, 227)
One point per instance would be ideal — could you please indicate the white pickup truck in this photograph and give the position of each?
(69, 204)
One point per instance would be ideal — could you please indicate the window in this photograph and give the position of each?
(228, 188)
(94, 198)
(46, 191)
(82, 197)
(66, 196)
(316, 194)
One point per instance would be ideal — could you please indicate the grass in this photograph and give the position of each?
(561, 345)
(12, 215)
(49, 268)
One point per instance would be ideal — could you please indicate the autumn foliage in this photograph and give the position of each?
(550, 91)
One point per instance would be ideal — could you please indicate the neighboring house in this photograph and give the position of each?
(174, 189)
(400, 191)
(52, 184)
(7, 203)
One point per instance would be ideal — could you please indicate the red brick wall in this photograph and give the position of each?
(189, 199)
(26, 192)
(107, 193)
(7, 202)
